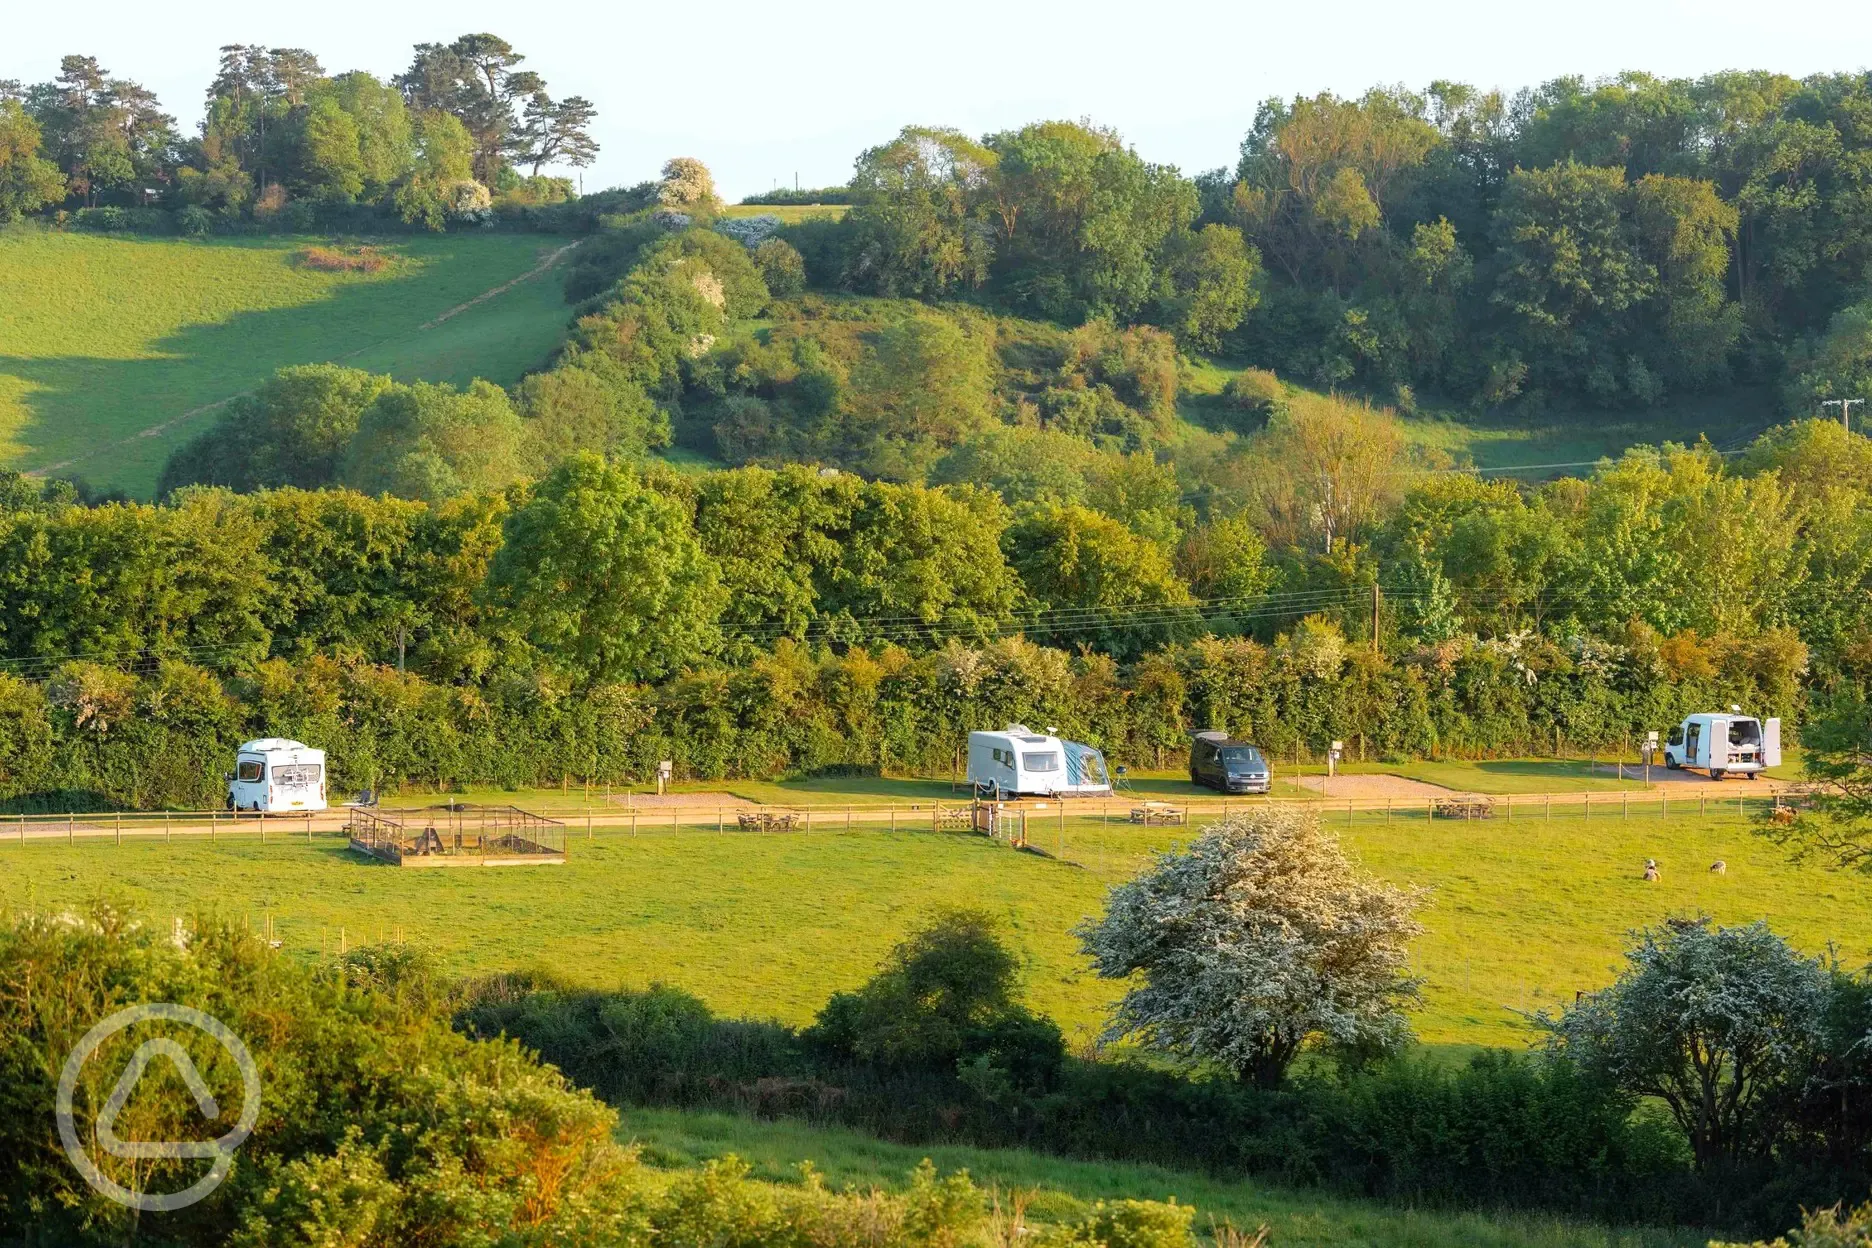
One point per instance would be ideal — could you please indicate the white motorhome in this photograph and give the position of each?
(1019, 762)
(275, 775)
(1722, 744)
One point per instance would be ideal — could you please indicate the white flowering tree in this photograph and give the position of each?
(1715, 1022)
(687, 186)
(1257, 940)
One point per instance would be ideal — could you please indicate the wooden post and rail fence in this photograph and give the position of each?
(722, 819)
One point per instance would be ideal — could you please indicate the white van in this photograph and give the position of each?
(277, 776)
(1018, 761)
(1722, 744)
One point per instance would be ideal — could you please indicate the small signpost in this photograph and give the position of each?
(1332, 763)
(665, 770)
(1650, 749)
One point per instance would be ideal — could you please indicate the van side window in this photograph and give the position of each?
(250, 771)
(1676, 737)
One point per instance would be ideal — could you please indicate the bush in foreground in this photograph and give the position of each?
(378, 1124)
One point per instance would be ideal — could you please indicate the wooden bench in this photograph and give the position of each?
(1457, 808)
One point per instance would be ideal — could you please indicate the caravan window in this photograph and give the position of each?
(1744, 732)
(1041, 761)
(297, 773)
(250, 770)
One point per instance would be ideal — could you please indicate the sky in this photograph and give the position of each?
(766, 93)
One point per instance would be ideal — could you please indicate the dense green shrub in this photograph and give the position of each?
(474, 1140)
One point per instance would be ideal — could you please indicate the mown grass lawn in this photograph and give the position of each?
(1521, 915)
(104, 338)
(1059, 1190)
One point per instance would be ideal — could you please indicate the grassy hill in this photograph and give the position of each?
(1521, 916)
(113, 350)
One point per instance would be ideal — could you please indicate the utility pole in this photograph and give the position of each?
(1374, 617)
(1845, 406)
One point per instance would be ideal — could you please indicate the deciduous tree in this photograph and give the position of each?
(1256, 940)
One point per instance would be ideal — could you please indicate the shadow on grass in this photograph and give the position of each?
(114, 421)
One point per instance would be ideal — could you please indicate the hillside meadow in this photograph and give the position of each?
(1520, 915)
(113, 350)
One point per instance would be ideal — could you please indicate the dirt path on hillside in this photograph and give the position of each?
(157, 430)
(502, 289)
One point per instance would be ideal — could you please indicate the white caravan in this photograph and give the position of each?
(1020, 762)
(277, 776)
(1721, 744)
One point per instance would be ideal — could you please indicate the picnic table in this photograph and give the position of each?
(1159, 814)
(766, 821)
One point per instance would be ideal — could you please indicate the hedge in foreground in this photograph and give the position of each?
(378, 1124)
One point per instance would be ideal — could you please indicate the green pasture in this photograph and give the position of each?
(1561, 441)
(111, 347)
(792, 214)
(1057, 1190)
(1520, 914)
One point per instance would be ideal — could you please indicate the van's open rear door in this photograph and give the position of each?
(1771, 743)
(1718, 744)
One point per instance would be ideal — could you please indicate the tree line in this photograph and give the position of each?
(761, 621)
(284, 142)
(1604, 244)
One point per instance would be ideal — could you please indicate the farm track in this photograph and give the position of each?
(648, 813)
(162, 427)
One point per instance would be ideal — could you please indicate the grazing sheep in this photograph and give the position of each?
(1650, 871)
(1718, 867)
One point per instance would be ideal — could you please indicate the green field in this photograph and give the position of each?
(111, 349)
(1058, 1190)
(792, 214)
(1534, 447)
(1522, 915)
